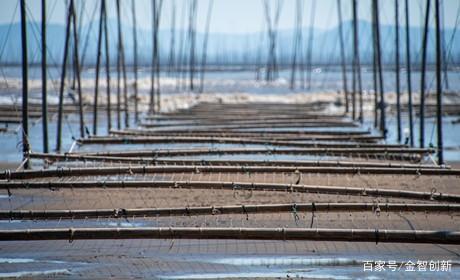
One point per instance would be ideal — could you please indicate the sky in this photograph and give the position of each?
(231, 16)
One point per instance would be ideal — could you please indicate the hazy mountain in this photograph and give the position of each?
(222, 47)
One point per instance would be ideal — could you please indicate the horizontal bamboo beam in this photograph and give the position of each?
(223, 140)
(226, 210)
(310, 234)
(262, 132)
(152, 160)
(243, 118)
(217, 162)
(250, 121)
(246, 126)
(236, 151)
(264, 136)
(123, 170)
(206, 185)
(155, 161)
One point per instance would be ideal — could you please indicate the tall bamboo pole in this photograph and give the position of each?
(25, 85)
(98, 65)
(107, 67)
(192, 23)
(356, 70)
(63, 76)
(397, 78)
(152, 73)
(375, 68)
(157, 54)
(342, 56)
(296, 43)
(310, 44)
(77, 69)
(118, 65)
(205, 46)
(422, 75)
(379, 64)
(121, 53)
(409, 82)
(136, 100)
(172, 46)
(439, 84)
(44, 81)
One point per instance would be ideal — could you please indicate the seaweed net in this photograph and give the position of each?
(230, 167)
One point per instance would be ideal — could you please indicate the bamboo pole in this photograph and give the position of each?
(107, 67)
(438, 85)
(252, 124)
(246, 126)
(342, 57)
(119, 213)
(374, 67)
(383, 128)
(44, 80)
(310, 44)
(302, 234)
(409, 81)
(135, 62)
(397, 77)
(259, 132)
(265, 136)
(331, 151)
(63, 77)
(259, 117)
(422, 75)
(192, 38)
(312, 163)
(205, 45)
(353, 66)
(25, 85)
(356, 63)
(207, 185)
(119, 42)
(172, 67)
(131, 170)
(224, 140)
(98, 64)
(297, 42)
(157, 54)
(77, 69)
(125, 79)
(152, 73)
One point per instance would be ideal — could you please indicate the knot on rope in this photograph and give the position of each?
(433, 191)
(245, 212)
(294, 214)
(376, 208)
(8, 175)
(313, 210)
(71, 234)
